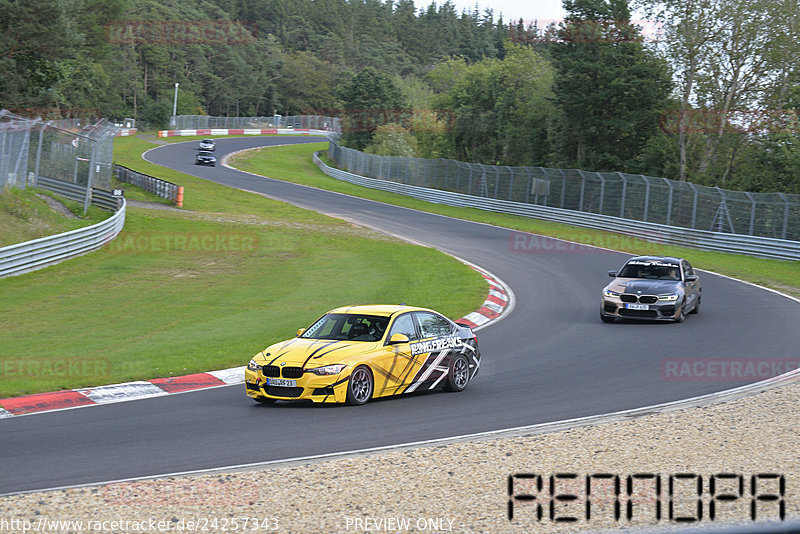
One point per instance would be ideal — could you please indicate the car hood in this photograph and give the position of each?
(645, 287)
(312, 352)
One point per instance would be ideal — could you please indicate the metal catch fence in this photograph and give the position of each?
(302, 122)
(68, 150)
(627, 196)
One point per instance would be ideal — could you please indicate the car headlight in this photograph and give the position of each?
(253, 366)
(334, 369)
(668, 298)
(609, 293)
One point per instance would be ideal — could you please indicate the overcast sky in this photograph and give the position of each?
(542, 10)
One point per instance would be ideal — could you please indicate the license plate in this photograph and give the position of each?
(283, 382)
(638, 306)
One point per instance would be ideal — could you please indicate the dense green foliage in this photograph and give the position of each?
(591, 92)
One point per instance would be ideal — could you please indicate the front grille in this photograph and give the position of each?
(279, 391)
(637, 313)
(644, 299)
(292, 372)
(254, 387)
(323, 391)
(668, 310)
(610, 307)
(271, 370)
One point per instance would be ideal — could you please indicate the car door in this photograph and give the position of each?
(432, 350)
(691, 287)
(394, 365)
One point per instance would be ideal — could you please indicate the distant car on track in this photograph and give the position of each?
(652, 287)
(205, 157)
(357, 353)
(207, 144)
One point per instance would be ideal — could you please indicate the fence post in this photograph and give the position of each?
(624, 193)
(646, 197)
(3, 174)
(602, 192)
(39, 152)
(510, 181)
(669, 201)
(694, 205)
(752, 212)
(530, 187)
(90, 178)
(785, 215)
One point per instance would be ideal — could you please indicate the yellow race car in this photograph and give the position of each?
(357, 353)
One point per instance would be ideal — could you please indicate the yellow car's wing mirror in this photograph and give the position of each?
(396, 339)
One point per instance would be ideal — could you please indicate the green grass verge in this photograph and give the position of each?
(777, 274)
(182, 291)
(25, 215)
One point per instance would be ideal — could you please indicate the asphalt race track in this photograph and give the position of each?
(551, 359)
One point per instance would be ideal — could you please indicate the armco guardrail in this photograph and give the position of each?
(39, 253)
(157, 186)
(100, 198)
(615, 194)
(657, 233)
(241, 131)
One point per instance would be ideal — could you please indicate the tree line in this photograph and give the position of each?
(713, 100)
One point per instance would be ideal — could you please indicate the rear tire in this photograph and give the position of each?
(360, 386)
(458, 374)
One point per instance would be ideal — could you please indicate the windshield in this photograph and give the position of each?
(650, 270)
(345, 326)
(205, 154)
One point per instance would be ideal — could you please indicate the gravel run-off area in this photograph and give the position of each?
(464, 486)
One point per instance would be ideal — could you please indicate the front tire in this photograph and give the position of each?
(681, 314)
(360, 386)
(457, 374)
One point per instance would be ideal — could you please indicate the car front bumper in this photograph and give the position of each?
(327, 388)
(659, 311)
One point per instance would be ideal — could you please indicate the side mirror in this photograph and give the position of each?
(396, 339)
(691, 278)
(300, 332)
(612, 274)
